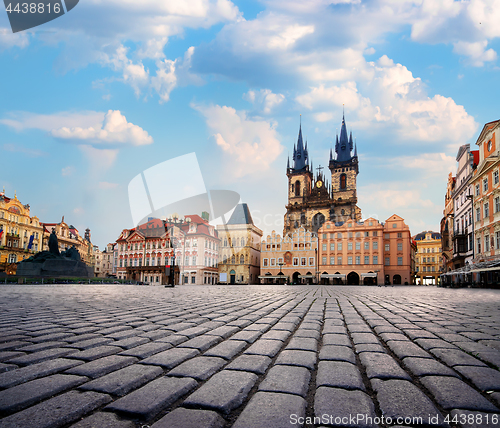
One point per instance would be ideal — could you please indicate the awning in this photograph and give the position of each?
(333, 275)
(307, 276)
(369, 275)
(486, 269)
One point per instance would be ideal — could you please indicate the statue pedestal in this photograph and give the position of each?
(55, 268)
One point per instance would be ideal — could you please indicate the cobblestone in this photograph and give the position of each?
(250, 356)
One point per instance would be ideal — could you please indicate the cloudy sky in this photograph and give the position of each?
(90, 100)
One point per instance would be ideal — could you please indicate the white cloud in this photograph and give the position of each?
(114, 130)
(8, 39)
(105, 185)
(67, 171)
(476, 52)
(20, 120)
(264, 100)
(251, 145)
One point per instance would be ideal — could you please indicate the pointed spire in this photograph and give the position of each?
(355, 150)
(331, 154)
(350, 141)
(288, 162)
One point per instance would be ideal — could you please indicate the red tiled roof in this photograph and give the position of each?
(476, 156)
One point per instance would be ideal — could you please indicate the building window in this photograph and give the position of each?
(375, 260)
(295, 261)
(358, 260)
(478, 245)
(311, 261)
(495, 177)
(332, 260)
(375, 245)
(303, 261)
(400, 246)
(343, 181)
(12, 258)
(323, 260)
(367, 234)
(477, 190)
(478, 214)
(339, 260)
(349, 246)
(497, 204)
(375, 233)
(324, 235)
(349, 260)
(367, 260)
(394, 225)
(339, 236)
(400, 261)
(433, 268)
(486, 243)
(387, 247)
(339, 246)
(193, 279)
(358, 245)
(497, 239)
(324, 247)
(387, 261)
(485, 185)
(387, 235)
(367, 245)
(486, 210)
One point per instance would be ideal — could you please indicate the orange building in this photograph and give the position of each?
(367, 252)
(486, 204)
(289, 260)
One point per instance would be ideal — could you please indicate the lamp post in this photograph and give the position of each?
(280, 264)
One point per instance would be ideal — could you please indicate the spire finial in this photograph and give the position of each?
(15, 194)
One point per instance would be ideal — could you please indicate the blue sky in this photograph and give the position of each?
(90, 100)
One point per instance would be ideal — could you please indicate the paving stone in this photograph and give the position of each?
(350, 408)
(359, 338)
(339, 374)
(171, 357)
(425, 367)
(201, 343)
(452, 393)
(369, 347)
(456, 357)
(314, 334)
(57, 411)
(184, 418)
(103, 420)
(131, 342)
(42, 346)
(51, 337)
(147, 349)
(404, 349)
(393, 336)
(156, 334)
(287, 379)
(8, 355)
(334, 329)
(38, 357)
(227, 349)
(247, 335)
(21, 396)
(429, 344)
(337, 353)
(297, 358)
(94, 353)
(174, 339)
(268, 348)
(484, 378)
(251, 363)
(401, 399)
(223, 392)
(199, 368)
(146, 402)
(122, 381)
(271, 410)
(7, 367)
(303, 343)
(92, 343)
(382, 366)
(224, 331)
(82, 337)
(281, 335)
(336, 339)
(35, 371)
(102, 366)
(419, 334)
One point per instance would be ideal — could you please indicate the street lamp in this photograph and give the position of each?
(280, 264)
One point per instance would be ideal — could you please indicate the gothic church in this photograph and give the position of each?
(311, 199)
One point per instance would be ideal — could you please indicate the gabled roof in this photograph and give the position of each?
(241, 215)
(486, 128)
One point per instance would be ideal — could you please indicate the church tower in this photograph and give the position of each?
(344, 169)
(300, 180)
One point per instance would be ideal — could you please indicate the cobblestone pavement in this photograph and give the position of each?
(248, 357)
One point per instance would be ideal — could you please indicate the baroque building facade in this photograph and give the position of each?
(312, 198)
(292, 259)
(240, 248)
(21, 235)
(428, 263)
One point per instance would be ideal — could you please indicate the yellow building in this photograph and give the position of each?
(20, 234)
(239, 256)
(428, 257)
(289, 260)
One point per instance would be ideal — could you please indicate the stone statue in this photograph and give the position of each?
(53, 244)
(72, 253)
